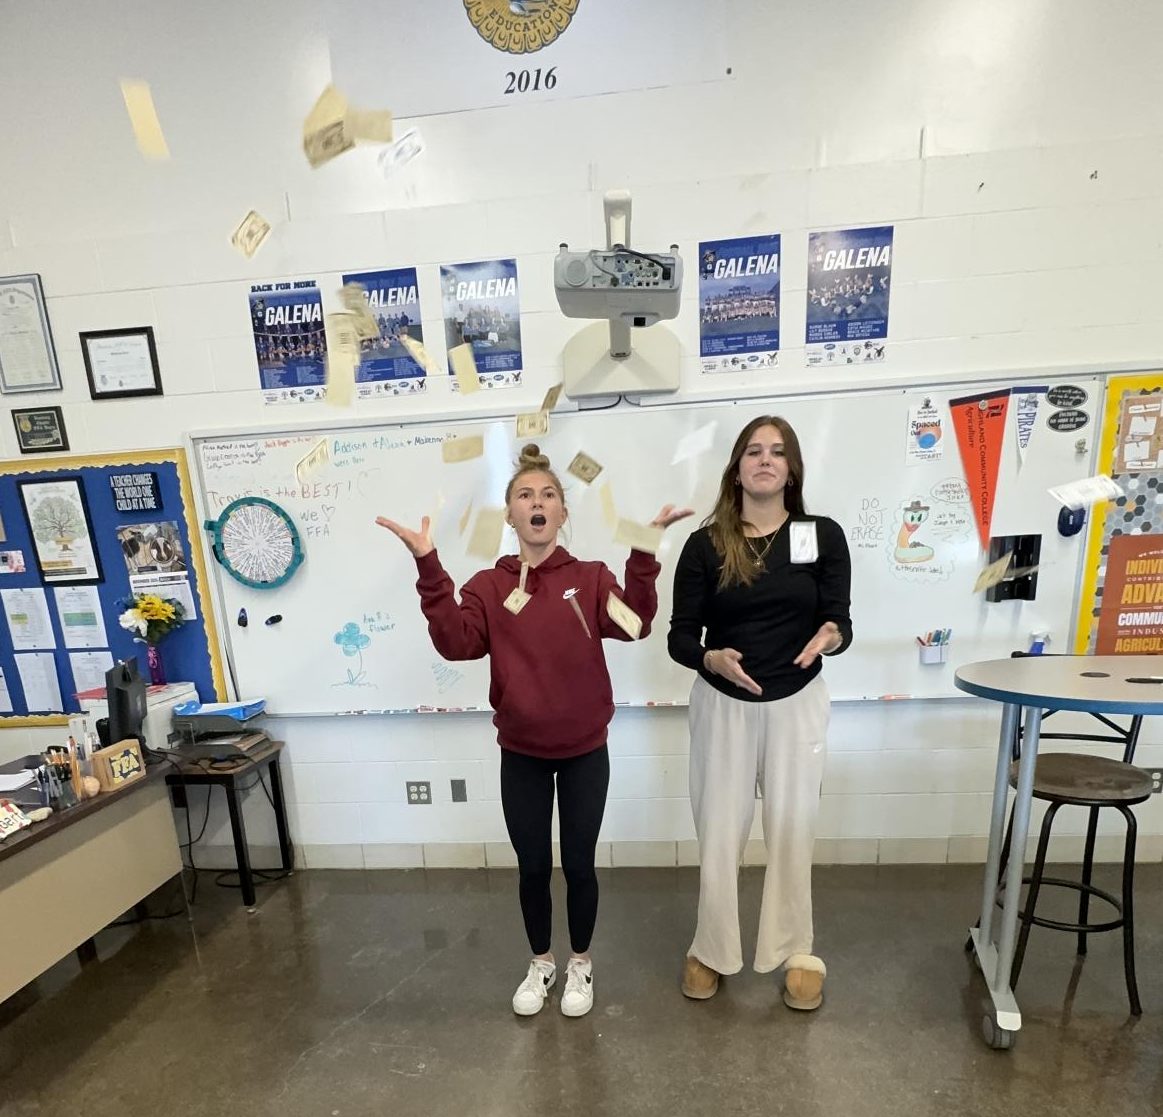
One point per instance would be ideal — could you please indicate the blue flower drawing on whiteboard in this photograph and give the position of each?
(352, 642)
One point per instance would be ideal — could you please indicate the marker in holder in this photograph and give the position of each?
(933, 647)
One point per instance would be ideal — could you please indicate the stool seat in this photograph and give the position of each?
(1086, 780)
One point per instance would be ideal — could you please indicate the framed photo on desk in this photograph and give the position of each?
(121, 363)
(28, 361)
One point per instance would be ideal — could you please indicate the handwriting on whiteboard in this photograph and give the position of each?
(868, 531)
(446, 676)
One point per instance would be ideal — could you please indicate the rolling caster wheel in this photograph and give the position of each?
(997, 1038)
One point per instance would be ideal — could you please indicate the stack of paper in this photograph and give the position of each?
(16, 782)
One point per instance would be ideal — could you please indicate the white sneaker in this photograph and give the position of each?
(531, 993)
(578, 997)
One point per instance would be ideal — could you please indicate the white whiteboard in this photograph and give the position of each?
(857, 470)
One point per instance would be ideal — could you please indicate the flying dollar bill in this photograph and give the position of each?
(583, 467)
(532, 424)
(251, 234)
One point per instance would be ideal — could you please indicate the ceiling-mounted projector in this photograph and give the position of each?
(618, 283)
(622, 288)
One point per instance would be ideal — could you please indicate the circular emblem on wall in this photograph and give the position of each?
(257, 542)
(520, 26)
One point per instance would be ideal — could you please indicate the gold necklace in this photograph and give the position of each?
(757, 555)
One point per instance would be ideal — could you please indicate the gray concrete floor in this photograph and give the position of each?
(350, 994)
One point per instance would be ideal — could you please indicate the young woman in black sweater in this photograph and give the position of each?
(761, 592)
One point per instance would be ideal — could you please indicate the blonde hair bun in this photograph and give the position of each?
(532, 460)
(532, 457)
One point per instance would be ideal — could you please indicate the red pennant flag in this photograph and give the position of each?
(980, 425)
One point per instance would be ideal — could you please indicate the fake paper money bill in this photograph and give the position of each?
(251, 234)
(584, 468)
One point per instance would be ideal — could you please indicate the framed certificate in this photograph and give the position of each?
(28, 361)
(121, 363)
(39, 430)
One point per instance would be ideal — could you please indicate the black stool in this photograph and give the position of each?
(1063, 779)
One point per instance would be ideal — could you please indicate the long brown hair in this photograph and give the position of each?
(726, 521)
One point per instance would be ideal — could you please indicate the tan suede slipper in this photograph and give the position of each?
(804, 982)
(699, 982)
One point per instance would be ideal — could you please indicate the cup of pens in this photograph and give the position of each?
(933, 647)
(61, 777)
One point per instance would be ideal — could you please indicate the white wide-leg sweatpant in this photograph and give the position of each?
(782, 745)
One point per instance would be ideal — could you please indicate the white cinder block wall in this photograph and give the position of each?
(1017, 148)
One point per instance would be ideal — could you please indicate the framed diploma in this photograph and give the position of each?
(28, 361)
(121, 363)
(39, 430)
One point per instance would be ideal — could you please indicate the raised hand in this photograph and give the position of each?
(728, 663)
(827, 639)
(418, 542)
(671, 515)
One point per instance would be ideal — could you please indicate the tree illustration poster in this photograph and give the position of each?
(59, 524)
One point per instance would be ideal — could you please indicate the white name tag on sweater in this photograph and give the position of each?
(803, 544)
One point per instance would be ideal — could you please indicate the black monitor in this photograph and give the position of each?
(125, 695)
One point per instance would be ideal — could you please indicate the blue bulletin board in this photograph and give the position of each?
(190, 653)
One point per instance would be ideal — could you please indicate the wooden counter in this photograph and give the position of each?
(64, 879)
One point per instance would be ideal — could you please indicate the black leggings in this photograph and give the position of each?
(527, 800)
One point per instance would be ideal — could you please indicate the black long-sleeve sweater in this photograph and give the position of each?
(770, 621)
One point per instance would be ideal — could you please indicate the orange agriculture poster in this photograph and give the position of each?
(1130, 621)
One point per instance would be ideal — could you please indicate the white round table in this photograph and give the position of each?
(1112, 684)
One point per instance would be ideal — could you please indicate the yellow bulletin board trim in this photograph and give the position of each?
(34, 721)
(1117, 387)
(176, 456)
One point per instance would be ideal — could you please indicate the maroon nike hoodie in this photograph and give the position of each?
(550, 688)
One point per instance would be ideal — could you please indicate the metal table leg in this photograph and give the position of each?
(1001, 786)
(996, 962)
(241, 850)
(286, 850)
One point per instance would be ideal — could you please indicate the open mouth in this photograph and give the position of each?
(537, 520)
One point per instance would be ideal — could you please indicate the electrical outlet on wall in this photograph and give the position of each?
(1156, 780)
(459, 791)
(419, 791)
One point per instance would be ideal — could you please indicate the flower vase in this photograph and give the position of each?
(157, 669)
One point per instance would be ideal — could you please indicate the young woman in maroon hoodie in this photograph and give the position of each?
(541, 616)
